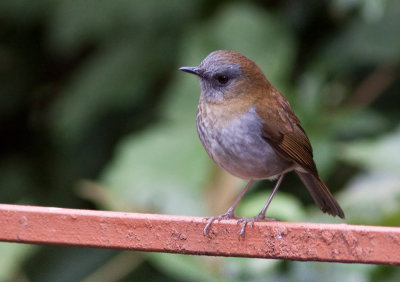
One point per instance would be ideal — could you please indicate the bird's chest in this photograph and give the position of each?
(234, 142)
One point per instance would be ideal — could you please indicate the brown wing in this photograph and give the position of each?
(282, 130)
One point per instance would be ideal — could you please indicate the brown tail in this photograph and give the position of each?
(321, 194)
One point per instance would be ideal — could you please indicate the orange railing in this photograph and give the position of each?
(184, 235)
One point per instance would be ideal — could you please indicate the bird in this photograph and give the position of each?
(249, 129)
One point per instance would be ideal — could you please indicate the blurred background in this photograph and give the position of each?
(95, 115)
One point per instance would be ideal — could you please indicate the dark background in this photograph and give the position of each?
(94, 114)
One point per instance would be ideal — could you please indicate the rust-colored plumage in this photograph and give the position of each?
(249, 129)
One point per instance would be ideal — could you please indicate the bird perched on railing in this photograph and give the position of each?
(249, 129)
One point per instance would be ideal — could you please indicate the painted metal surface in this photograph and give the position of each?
(184, 235)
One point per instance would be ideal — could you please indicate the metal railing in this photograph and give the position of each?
(184, 235)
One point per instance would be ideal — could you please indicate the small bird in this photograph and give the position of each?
(249, 129)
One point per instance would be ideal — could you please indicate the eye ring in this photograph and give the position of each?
(222, 79)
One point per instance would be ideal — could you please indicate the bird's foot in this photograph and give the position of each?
(259, 217)
(228, 215)
(243, 220)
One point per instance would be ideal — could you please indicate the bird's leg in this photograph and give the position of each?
(261, 215)
(230, 212)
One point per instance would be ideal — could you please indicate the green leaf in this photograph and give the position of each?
(370, 38)
(185, 268)
(163, 168)
(371, 198)
(110, 80)
(322, 271)
(283, 206)
(76, 23)
(376, 155)
(12, 257)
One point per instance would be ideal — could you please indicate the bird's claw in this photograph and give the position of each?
(243, 220)
(226, 215)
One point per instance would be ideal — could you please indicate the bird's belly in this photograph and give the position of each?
(239, 148)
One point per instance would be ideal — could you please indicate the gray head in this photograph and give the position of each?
(224, 74)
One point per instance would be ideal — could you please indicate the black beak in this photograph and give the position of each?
(192, 70)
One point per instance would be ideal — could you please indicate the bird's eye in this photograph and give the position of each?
(222, 79)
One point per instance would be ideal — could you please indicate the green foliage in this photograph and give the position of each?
(94, 113)
(13, 255)
(148, 171)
